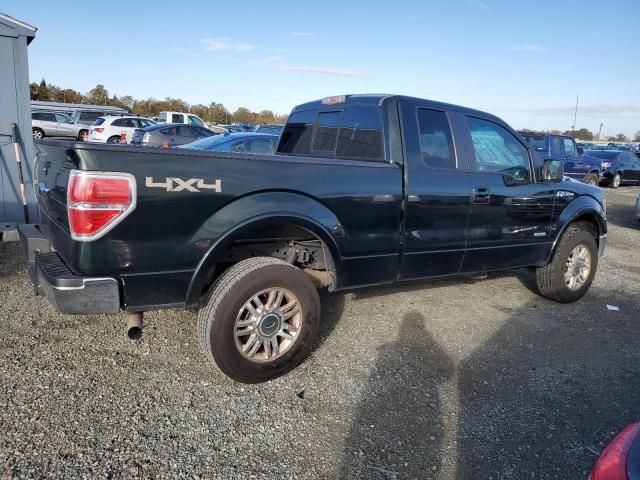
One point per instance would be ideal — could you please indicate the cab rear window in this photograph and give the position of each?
(351, 132)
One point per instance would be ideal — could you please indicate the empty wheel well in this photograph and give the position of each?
(292, 243)
(589, 223)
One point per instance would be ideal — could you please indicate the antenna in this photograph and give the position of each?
(575, 114)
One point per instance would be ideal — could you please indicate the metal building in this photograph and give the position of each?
(15, 106)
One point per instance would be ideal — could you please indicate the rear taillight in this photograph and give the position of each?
(612, 464)
(98, 201)
(98, 129)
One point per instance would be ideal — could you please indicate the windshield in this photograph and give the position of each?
(272, 129)
(607, 154)
(193, 120)
(207, 143)
(536, 142)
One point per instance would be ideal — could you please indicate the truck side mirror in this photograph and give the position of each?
(580, 150)
(552, 170)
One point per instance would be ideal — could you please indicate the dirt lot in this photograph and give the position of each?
(449, 379)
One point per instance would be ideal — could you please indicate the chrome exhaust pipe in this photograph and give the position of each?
(134, 325)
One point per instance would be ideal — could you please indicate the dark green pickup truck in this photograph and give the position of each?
(363, 190)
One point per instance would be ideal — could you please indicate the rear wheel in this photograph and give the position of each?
(114, 139)
(591, 179)
(568, 276)
(260, 320)
(616, 181)
(82, 134)
(38, 134)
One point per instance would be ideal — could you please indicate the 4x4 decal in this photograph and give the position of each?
(173, 184)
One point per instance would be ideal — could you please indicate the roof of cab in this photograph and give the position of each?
(378, 99)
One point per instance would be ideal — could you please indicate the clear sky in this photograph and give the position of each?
(523, 61)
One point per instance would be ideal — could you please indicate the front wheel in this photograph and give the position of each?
(114, 139)
(260, 319)
(38, 134)
(568, 276)
(591, 179)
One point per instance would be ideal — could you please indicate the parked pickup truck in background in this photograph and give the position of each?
(364, 190)
(577, 165)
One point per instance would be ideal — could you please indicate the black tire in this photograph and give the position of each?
(81, 135)
(550, 278)
(241, 282)
(115, 139)
(615, 181)
(591, 179)
(38, 133)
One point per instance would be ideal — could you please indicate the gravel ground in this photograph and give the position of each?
(449, 379)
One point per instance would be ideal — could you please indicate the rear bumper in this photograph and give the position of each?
(68, 291)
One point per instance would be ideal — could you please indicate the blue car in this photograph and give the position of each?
(246, 142)
(618, 167)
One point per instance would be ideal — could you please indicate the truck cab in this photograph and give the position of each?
(577, 164)
(181, 117)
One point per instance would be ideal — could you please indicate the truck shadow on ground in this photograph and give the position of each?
(397, 430)
(623, 215)
(540, 397)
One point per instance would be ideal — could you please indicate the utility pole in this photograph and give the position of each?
(575, 114)
(599, 131)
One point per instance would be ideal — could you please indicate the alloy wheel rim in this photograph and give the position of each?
(616, 180)
(577, 267)
(268, 325)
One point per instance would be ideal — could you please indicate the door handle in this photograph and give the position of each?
(481, 195)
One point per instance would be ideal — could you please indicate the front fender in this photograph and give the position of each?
(262, 210)
(582, 208)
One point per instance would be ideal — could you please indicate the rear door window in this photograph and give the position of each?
(89, 117)
(43, 116)
(184, 131)
(260, 146)
(436, 142)
(360, 134)
(326, 134)
(354, 132)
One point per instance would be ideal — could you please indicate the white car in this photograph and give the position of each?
(109, 129)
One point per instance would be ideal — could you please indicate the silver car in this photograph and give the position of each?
(53, 124)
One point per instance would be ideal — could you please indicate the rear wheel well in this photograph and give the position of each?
(290, 242)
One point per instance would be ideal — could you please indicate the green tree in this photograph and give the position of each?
(582, 134)
(127, 101)
(218, 113)
(200, 110)
(98, 95)
(43, 92)
(621, 137)
(243, 115)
